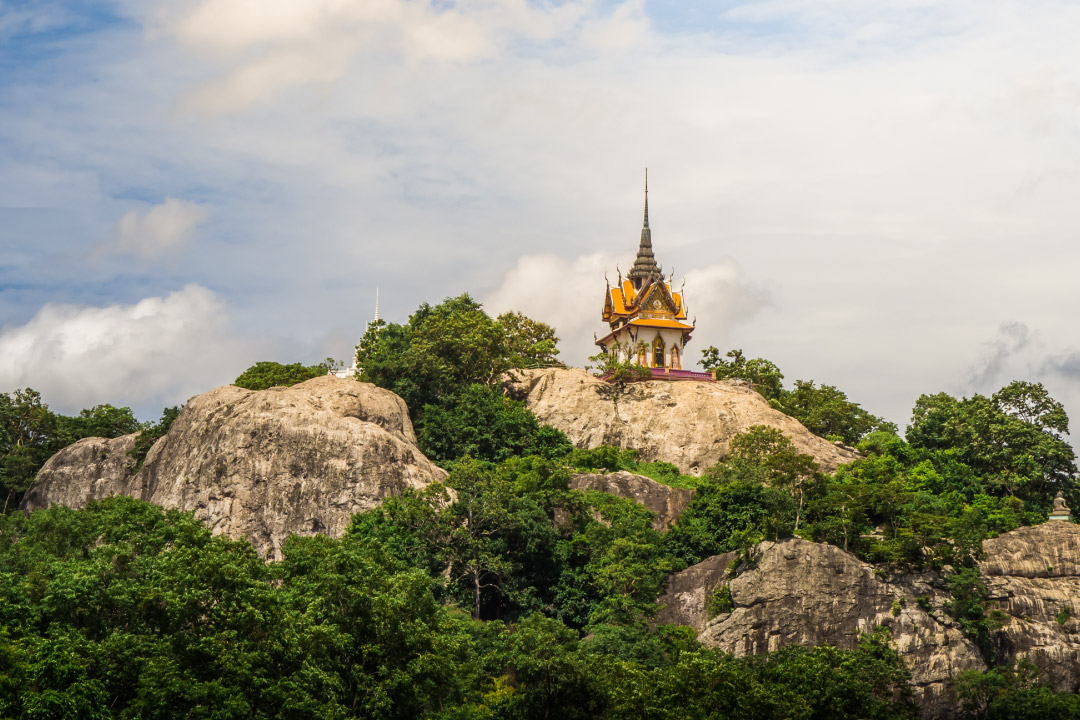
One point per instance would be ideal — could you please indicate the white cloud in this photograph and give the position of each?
(159, 351)
(566, 294)
(569, 296)
(161, 229)
(264, 47)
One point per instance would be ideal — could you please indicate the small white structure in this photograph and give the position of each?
(354, 370)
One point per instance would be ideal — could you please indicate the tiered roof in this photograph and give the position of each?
(644, 298)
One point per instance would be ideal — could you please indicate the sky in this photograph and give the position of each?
(879, 195)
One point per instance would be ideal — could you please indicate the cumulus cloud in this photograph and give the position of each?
(158, 351)
(568, 294)
(159, 230)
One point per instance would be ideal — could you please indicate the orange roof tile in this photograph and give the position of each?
(657, 322)
(617, 301)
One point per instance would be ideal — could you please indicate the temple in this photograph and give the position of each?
(647, 319)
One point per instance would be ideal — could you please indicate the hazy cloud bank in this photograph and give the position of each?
(158, 351)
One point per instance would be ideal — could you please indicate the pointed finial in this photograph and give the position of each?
(646, 197)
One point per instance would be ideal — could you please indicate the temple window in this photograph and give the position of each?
(675, 358)
(658, 352)
(641, 358)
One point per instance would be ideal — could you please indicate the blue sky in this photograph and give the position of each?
(877, 195)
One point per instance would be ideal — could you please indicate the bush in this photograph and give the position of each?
(268, 374)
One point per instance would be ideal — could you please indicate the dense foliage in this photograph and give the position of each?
(501, 593)
(482, 422)
(30, 433)
(124, 611)
(824, 410)
(446, 362)
(267, 374)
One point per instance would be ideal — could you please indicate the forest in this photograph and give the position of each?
(502, 593)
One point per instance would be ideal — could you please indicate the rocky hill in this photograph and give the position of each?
(259, 465)
(688, 424)
(1033, 575)
(666, 503)
(801, 592)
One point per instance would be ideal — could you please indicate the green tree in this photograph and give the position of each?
(483, 423)
(529, 343)
(267, 374)
(729, 512)
(770, 456)
(1013, 442)
(105, 421)
(28, 436)
(619, 371)
(826, 411)
(442, 350)
(762, 375)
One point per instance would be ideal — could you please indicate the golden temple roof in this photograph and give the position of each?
(659, 322)
(624, 299)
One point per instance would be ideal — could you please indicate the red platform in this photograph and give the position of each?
(674, 375)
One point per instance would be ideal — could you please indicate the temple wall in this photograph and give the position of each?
(671, 337)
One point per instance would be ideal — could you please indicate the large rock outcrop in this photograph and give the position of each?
(1033, 574)
(801, 592)
(806, 593)
(688, 424)
(259, 465)
(667, 503)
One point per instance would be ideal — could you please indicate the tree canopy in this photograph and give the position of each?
(30, 433)
(502, 592)
(267, 374)
(121, 610)
(824, 410)
(447, 363)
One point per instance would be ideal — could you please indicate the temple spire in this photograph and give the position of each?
(645, 269)
(646, 197)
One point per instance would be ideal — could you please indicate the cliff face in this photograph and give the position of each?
(806, 593)
(688, 424)
(258, 465)
(666, 502)
(1033, 574)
